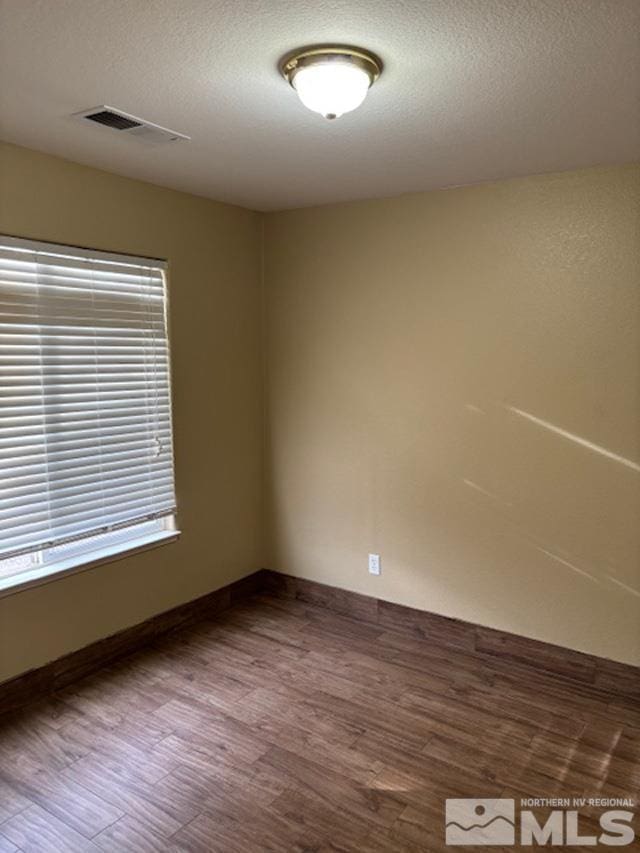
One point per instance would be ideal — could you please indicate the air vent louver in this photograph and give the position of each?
(111, 119)
(138, 128)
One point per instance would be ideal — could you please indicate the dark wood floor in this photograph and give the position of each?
(280, 726)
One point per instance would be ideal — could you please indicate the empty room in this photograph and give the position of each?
(319, 425)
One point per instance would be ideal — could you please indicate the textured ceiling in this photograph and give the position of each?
(472, 90)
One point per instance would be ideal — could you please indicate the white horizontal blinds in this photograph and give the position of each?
(85, 422)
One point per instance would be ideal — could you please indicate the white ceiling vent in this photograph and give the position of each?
(145, 131)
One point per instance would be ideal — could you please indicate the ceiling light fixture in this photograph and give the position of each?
(331, 79)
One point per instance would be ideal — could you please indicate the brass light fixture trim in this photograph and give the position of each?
(297, 59)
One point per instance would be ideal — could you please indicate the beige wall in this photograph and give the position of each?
(403, 335)
(214, 285)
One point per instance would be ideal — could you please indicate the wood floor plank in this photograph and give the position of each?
(554, 756)
(129, 835)
(306, 711)
(119, 787)
(343, 830)
(427, 626)
(35, 830)
(227, 830)
(524, 708)
(625, 711)
(552, 658)
(131, 744)
(11, 800)
(418, 776)
(368, 672)
(241, 783)
(333, 789)
(23, 737)
(7, 846)
(303, 677)
(54, 712)
(384, 717)
(281, 726)
(326, 752)
(81, 809)
(211, 749)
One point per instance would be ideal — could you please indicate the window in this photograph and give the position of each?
(86, 458)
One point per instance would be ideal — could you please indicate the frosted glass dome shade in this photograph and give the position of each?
(331, 88)
(331, 79)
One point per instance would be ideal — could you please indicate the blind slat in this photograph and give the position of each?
(78, 475)
(65, 517)
(71, 495)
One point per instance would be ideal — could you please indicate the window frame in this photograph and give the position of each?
(167, 530)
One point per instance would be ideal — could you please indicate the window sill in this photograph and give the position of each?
(40, 575)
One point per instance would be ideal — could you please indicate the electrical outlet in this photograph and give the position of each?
(374, 564)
